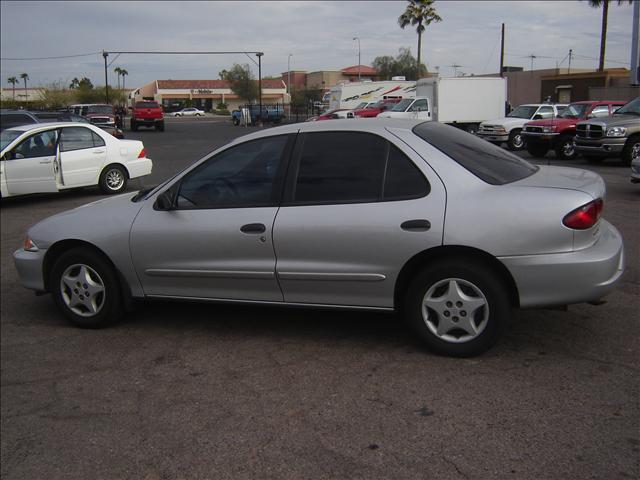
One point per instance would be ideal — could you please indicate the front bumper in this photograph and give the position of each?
(493, 137)
(29, 266)
(573, 277)
(539, 137)
(603, 146)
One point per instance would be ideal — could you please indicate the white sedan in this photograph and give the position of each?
(50, 157)
(188, 112)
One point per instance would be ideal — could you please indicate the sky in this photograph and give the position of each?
(318, 34)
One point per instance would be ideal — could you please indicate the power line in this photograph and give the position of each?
(52, 58)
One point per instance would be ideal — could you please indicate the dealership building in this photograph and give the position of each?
(204, 94)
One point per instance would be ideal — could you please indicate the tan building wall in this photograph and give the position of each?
(324, 80)
(22, 95)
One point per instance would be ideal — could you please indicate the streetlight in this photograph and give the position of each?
(289, 82)
(356, 38)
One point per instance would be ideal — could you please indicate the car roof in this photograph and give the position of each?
(46, 125)
(371, 125)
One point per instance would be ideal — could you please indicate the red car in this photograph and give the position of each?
(558, 133)
(328, 115)
(375, 109)
(147, 113)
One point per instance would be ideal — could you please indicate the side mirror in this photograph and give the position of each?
(164, 202)
(537, 116)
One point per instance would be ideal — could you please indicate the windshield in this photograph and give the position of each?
(402, 105)
(523, 111)
(100, 109)
(360, 105)
(575, 110)
(631, 108)
(8, 136)
(147, 105)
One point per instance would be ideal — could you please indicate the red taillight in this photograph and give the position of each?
(143, 153)
(585, 216)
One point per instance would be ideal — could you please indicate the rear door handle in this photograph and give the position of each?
(253, 228)
(416, 225)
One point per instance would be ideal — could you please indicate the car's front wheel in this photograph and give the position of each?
(631, 150)
(566, 148)
(113, 179)
(537, 150)
(459, 309)
(516, 140)
(85, 288)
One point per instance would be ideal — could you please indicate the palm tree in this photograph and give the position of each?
(419, 13)
(118, 70)
(25, 77)
(603, 35)
(124, 73)
(13, 81)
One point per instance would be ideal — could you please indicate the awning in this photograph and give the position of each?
(562, 87)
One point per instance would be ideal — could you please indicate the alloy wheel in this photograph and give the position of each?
(114, 179)
(82, 290)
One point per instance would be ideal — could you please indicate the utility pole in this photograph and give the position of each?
(259, 55)
(502, 53)
(106, 78)
(570, 55)
(356, 38)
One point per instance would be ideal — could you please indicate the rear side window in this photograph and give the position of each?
(485, 160)
(354, 167)
(76, 138)
(340, 167)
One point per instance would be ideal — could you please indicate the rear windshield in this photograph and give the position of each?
(147, 105)
(92, 109)
(486, 161)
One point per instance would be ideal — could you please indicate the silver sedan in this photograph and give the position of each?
(397, 215)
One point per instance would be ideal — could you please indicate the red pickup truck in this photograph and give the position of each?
(558, 133)
(147, 114)
(375, 109)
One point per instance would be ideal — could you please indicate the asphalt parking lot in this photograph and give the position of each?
(188, 391)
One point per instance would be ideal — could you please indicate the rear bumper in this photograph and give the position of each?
(139, 167)
(148, 121)
(607, 146)
(573, 277)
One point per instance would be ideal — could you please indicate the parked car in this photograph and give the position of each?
(100, 114)
(13, 118)
(188, 112)
(372, 111)
(509, 129)
(348, 112)
(558, 133)
(328, 115)
(617, 135)
(270, 114)
(49, 157)
(354, 211)
(147, 114)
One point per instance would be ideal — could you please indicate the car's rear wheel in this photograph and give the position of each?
(113, 179)
(566, 148)
(516, 140)
(631, 150)
(537, 150)
(458, 308)
(85, 288)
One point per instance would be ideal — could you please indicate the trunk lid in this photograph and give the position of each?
(566, 178)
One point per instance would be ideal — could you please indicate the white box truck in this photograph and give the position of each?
(462, 101)
(348, 95)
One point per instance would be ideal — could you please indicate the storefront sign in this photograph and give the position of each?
(201, 91)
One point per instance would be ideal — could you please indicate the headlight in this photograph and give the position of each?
(550, 129)
(616, 132)
(28, 245)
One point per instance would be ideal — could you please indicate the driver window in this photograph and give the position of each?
(600, 111)
(419, 105)
(243, 176)
(545, 112)
(42, 144)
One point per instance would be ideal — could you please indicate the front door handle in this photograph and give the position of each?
(416, 225)
(45, 162)
(253, 228)
(98, 152)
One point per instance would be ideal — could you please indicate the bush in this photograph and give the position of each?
(221, 106)
(222, 111)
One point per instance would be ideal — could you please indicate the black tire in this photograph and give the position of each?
(160, 127)
(537, 150)
(134, 125)
(480, 285)
(516, 140)
(236, 122)
(594, 159)
(81, 281)
(631, 150)
(566, 148)
(113, 179)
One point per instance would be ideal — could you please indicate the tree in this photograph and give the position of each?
(124, 73)
(84, 83)
(403, 64)
(603, 33)
(13, 81)
(25, 77)
(242, 82)
(419, 13)
(118, 71)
